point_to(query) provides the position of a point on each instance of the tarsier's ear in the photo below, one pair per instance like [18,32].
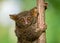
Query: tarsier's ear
[14,17]
[34,11]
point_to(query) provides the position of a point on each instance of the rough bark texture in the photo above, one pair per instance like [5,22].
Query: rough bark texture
[41,19]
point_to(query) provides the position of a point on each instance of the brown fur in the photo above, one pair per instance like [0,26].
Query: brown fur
[27,33]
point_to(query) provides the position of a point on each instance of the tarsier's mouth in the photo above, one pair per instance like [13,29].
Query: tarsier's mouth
[26,26]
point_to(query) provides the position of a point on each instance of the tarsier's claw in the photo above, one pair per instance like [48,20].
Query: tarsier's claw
[45,5]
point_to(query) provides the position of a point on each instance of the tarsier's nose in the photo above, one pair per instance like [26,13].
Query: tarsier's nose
[26,22]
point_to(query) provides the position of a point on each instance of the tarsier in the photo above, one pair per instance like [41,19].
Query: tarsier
[26,26]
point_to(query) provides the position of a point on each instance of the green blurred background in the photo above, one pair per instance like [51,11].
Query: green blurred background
[7,26]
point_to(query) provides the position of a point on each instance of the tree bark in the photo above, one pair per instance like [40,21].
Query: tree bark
[41,20]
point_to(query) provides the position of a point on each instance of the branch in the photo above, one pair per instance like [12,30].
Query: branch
[41,5]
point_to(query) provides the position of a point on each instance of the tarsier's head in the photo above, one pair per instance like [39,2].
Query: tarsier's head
[26,18]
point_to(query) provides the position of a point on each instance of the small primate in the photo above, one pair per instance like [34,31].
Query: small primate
[26,26]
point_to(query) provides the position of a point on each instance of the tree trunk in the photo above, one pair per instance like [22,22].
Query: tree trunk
[41,19]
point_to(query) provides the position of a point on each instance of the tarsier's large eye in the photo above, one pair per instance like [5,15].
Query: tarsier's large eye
[29,18]
[21,20]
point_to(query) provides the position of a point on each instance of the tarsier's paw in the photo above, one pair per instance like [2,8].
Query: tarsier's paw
[43,27]
[45,5]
